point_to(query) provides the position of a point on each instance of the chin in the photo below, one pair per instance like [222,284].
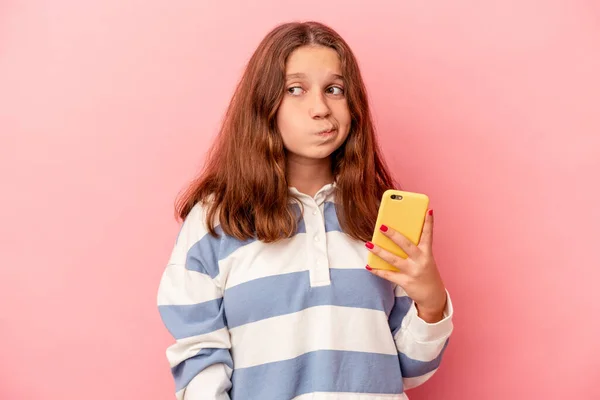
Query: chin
[322,154]
[310,156]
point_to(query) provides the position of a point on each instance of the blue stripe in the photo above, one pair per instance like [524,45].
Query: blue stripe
[401,307]
[187,370]
[413,368]
[230,244]
[195,319]
[301,227]
[319,371]
[204,255]
[288,293]
[330,215]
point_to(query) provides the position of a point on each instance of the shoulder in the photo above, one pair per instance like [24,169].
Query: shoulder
[192,233]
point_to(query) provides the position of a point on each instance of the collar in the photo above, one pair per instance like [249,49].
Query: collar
[326,193]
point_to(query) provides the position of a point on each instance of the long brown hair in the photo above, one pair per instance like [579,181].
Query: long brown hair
[244,179]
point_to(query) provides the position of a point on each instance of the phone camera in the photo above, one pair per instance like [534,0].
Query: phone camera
[396,197]
[393,197]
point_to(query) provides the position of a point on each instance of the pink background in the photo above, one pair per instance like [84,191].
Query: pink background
[107,107]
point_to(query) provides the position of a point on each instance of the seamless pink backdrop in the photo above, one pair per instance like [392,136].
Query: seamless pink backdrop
[107,108]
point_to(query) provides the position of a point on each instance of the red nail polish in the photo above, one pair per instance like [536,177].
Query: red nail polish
[431,212]
[369,245]
[383,228]
[369,268]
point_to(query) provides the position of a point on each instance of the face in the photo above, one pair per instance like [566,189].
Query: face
[313,118]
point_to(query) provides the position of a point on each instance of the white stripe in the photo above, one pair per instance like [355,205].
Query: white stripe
[399,291]
[349,396]
[349,253]
[180,286]
[190,346]
[192,230]
[255,260]
[410,345]
[212,383]
[422,331]
[317,328]
[410,383]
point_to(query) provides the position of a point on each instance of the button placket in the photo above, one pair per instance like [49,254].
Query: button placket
[319,271]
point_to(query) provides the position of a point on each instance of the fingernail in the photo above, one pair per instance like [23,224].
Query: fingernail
[383,228]
[369,268]
[431,212]
[369,245]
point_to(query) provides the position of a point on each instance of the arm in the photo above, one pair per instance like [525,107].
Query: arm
[420,344]
[190,303]
[420,296]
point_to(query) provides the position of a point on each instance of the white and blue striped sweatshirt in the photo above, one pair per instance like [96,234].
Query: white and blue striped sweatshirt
[297,319]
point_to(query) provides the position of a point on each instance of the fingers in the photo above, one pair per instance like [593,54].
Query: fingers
[394,277]
[392,259]
[411,250]
[427,235]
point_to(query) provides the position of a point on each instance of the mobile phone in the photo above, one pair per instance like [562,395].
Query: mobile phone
[404,212]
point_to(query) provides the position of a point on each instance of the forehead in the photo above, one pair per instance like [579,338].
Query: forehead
[313,60]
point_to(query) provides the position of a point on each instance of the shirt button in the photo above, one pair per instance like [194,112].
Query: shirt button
[315,212]
[316,238]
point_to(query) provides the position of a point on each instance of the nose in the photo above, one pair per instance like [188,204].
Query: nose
[318,107]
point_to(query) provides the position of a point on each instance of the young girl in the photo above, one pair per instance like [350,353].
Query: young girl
[267,292]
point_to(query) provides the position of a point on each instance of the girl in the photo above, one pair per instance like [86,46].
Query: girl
[266,292]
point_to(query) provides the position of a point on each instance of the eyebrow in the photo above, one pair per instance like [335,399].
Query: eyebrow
[300,75]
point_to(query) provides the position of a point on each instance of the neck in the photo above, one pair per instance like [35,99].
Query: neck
[308,176]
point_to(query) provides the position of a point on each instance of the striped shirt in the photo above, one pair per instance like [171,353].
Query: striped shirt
[297,319]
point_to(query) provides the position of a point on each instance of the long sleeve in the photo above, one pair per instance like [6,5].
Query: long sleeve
[190,303]
[420,344]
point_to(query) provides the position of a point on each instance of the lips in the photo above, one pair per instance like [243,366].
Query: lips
[327,131]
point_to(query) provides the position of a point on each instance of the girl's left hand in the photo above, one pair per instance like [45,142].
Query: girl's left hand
[418,275]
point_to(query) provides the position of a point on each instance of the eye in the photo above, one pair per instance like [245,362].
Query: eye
[295,90]
[335,90]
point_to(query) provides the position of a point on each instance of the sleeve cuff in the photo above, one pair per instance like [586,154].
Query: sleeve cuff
[429,332]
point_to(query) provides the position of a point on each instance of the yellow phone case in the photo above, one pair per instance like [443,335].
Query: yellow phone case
[404,212]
